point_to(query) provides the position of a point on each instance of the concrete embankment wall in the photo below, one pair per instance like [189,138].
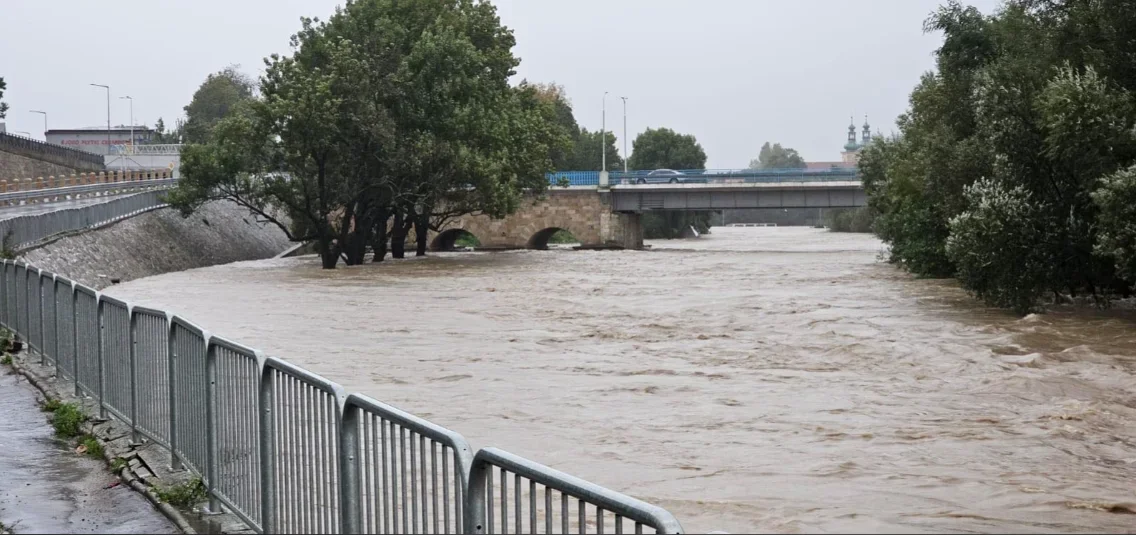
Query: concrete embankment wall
[161,241]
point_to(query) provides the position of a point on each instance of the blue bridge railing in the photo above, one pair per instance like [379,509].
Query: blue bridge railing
[592,178]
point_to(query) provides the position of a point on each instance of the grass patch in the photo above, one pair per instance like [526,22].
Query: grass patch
[51,405]
[118,464]
[94,448]
[185,495]
[67,420]
[7,359]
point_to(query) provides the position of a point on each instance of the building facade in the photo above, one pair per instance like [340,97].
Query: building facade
[99,140]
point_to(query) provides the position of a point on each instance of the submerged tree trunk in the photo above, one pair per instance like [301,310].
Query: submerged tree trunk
[329,253]
[398,236]
[379,235]
[421,227]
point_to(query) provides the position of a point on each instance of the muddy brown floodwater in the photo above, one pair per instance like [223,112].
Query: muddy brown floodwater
[757,379]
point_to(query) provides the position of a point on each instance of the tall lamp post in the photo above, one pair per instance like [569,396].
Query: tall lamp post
[603,136]
[625,155]
[107,87]
[127,97]
[44,113]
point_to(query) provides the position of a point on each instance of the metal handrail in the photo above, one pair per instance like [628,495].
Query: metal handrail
[66,191]
[621,505]
[318,451]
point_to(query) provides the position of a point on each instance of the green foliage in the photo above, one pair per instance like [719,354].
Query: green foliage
[161,136]
[93,446]
[52,405]
[185,495]
[777,157]
[1116,199]
[663,148]
[850,220]
[3,105]
[67,419]
[118,464]
[994,245]
[388,110]
[217,96]
[586,154]
[1029,103]
[6,359]
[467,240]
[563,236]
[564,182]
[6,250]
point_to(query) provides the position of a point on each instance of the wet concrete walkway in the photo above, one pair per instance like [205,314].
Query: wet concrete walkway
[47,488]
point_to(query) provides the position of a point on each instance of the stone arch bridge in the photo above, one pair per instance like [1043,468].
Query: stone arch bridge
[610,217]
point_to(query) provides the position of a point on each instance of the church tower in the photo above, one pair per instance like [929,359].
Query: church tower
[867,133]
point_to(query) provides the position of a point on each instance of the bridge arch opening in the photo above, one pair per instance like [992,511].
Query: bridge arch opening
[551,235]
[453,239]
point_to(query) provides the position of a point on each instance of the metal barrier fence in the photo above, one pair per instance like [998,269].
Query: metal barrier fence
[710,176]
[283,449]
[22,231]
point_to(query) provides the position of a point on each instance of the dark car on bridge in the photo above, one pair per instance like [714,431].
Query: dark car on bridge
[667,176]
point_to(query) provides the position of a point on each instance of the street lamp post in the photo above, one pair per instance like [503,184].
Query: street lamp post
[625,155]
[603,136]
[127,97]
[107,87]
[44,113]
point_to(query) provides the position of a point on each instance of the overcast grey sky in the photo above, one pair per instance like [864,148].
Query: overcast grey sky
[735,73]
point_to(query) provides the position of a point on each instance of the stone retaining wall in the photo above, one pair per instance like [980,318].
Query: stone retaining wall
[158,242]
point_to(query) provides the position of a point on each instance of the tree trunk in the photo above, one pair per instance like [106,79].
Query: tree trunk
[380,235]
[398,237]
[421,227]
[329,255]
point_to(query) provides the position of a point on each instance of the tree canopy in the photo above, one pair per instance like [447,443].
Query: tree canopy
[3,105]
[389,116]
[213,100]
[777,157]
[1014,153]
[663,148]
[586,154]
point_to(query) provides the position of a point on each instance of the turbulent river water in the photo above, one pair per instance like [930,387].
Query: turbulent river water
[756,379]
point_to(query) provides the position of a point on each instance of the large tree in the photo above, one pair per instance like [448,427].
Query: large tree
[586,155]
[1037,99]
[777,157]
[213,100]
[3,105]
[663,148]
[388,117]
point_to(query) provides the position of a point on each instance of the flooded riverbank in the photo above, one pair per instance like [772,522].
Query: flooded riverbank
[757,379]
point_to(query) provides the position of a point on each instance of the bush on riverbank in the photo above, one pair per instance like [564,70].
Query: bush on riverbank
[851,220]
[1012,167]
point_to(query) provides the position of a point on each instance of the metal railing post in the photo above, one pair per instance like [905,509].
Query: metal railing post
[211,425]
[99,357]
[171,355]
[474,507]
[132,328]
[351,514]
[266,399]
[75,339]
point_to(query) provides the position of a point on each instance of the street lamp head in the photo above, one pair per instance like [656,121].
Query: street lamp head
[127,97]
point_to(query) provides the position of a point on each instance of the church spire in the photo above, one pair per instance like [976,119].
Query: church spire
[867,132]
[851,145]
